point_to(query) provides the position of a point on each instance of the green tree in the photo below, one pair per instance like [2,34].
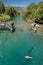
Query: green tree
[39,13]
[2,7]
[32,9]
[5,17]
[34,12]
[29,11]
[11,11]
[32,5]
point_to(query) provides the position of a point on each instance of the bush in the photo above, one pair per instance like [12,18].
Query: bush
[5,17]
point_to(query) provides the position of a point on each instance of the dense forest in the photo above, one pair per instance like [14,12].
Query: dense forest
[34,12]
[7,12]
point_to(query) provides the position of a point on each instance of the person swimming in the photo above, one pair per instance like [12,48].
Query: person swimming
[28,57]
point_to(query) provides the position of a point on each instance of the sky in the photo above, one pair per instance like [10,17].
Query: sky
[19,2]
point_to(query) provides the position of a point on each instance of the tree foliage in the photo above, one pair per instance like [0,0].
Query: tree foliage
[39,13]
[8,10]
[34,12]
[5,17]
[2,7]
[11,11]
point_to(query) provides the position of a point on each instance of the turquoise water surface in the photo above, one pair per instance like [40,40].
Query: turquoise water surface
[14,46]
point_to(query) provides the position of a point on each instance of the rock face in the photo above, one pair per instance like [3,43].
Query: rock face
[13,27]
[2,27]
[9,25]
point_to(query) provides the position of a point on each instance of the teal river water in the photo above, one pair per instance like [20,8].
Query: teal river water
[14,46]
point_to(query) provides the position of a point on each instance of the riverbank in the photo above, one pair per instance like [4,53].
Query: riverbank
[20,22]
[39,27]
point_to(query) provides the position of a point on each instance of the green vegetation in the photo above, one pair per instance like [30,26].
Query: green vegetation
[2,7]
[7,12]
[34,12]
[11,11]
[5,17]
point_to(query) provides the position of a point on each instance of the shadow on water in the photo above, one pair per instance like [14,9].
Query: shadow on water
[30,50]
[29,53]
[27,62]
